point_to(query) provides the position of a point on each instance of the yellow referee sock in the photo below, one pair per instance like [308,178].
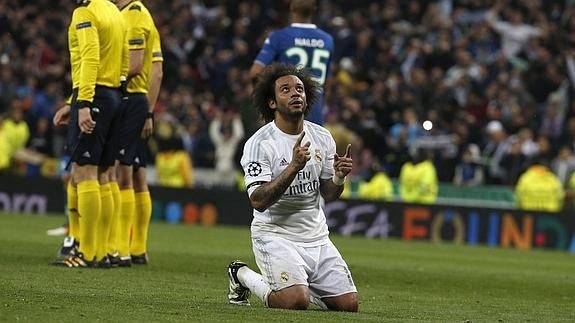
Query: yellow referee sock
[113,236]
[73,218]
[141,223]
[89,208]
[127,208]
[103,227]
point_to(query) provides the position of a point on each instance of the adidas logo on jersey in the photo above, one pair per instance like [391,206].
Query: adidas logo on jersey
[137,160]
[283,162]
[86,154]
[122,151]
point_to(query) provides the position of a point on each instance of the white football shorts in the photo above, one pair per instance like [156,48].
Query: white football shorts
[283,263]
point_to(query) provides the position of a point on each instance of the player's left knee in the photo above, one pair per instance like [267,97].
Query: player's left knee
[344,303]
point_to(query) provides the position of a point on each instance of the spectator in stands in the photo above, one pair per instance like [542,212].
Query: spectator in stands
[554,116]
[226,131]
[406,130]
[514,162]
[16,129]
[418,179]
[563,164]
[497,146]
[465,68]
[538,189]
[514,33]
[44,101]
[529,147]
[173,164]
[376,186]
[14,134]
[469,171]
[544,148]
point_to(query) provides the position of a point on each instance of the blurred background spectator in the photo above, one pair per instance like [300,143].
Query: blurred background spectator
[173,164]
[226,131]
[376,185]
[469,171]
[499,74]
[418,179]
[538,189]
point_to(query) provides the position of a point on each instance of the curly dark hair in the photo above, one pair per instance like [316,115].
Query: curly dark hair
[264,89]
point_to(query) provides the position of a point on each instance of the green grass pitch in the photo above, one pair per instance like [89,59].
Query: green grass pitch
[186,281]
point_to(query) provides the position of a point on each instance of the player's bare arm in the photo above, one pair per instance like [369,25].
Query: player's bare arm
[269,193]
[342,166]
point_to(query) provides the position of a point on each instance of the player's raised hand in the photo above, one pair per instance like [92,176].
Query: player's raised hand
[343,165]
[301,153]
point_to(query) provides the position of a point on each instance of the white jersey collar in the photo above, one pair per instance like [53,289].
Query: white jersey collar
[302,25]
[281,132]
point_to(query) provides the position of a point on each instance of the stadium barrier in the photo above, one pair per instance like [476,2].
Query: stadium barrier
[372,219]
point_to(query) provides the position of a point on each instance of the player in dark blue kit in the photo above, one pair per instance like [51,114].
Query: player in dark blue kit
[302,43]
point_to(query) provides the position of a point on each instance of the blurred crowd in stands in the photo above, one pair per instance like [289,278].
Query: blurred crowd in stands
[495,77]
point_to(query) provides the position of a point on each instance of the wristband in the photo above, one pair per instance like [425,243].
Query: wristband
[150,115]
[84,104]
[338,180]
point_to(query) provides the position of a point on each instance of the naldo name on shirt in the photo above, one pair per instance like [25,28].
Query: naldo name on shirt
[305,184]
[309,42]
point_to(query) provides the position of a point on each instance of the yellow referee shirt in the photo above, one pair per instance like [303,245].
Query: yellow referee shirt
[98,47]
[142,35]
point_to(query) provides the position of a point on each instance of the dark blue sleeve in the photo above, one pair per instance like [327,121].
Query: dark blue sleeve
[268,51]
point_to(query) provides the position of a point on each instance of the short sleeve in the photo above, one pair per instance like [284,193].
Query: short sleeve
[268,52]
[256,165]
[138,29]
[156,46]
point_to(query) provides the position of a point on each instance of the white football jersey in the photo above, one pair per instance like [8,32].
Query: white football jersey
[297,215]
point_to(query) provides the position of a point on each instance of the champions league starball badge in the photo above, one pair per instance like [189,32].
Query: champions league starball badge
[254,169]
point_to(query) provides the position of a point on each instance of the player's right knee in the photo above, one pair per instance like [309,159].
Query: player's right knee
[291,298]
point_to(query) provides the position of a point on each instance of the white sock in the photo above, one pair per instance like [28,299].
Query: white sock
[255,283]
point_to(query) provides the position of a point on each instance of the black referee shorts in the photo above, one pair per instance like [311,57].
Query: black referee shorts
[133,117]
[98,148]
[142,154]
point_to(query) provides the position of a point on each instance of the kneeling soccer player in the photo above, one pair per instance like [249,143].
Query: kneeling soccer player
[289,165]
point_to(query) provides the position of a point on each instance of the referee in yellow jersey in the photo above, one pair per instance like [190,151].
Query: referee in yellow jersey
[144,80]
[99,57]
